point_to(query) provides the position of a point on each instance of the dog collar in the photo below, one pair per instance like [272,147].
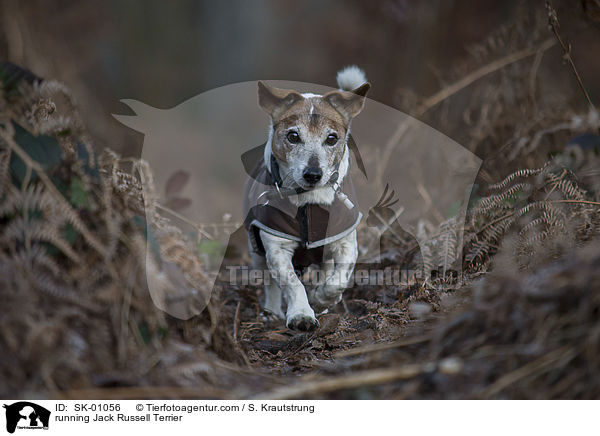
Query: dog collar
[267,207]
[281,192]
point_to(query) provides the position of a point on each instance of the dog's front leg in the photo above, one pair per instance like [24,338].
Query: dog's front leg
[279,253]
[272,292]
[340,258]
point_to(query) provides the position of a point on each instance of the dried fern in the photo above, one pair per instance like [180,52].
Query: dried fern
[516,175]
[73,223]
[539,204]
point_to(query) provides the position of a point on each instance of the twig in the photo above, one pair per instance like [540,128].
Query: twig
[555,185]
[388,225]
[184,219]
[429,202]
[236,321]
[234,339]
[248,371]
[238,348]
[536,367]
[132,393]
[372,348]
[554,25]
[576,201]
[307,340]
[358,379]
[479,73]
[491,223]
[125,312]
[452,89]
[196,226]
[80,226]
[533,74]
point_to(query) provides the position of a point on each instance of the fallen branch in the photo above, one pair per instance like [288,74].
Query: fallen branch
[358,379]
[373,348]
[596,203]
[536,367]
[554,25]
[133,393]
[449,91]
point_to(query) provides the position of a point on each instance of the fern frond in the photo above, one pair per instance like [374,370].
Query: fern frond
[494,232]
[533,240]
[478,252]
[39,256]
[531,225]
[541,205]
[449,240]
[570,190]
[487,203]
[526,172]
[27,230]
[44,282]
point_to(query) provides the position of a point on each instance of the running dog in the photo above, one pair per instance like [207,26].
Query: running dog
[299,201]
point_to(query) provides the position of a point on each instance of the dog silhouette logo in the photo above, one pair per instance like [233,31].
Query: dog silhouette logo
[26,415]
[194,150]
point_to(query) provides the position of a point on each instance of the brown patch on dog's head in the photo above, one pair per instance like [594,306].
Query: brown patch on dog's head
[339,106]
[315,120]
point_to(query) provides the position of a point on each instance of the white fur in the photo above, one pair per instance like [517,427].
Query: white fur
[339,259]
[273,294]
[323,195]
[326,194]
[279,253]
[339,256]
[268,148]
[351,78]
[291,173]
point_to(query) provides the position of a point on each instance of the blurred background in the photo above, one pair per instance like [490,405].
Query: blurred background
[163,54]
[77,318]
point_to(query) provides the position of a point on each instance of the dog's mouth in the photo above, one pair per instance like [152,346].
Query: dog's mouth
[306,185]
[310,186]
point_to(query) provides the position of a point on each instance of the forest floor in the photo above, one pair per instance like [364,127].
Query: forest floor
[520,321]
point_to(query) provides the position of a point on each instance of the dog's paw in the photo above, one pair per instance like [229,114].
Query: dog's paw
[271,316]
[302,322]
[324,297]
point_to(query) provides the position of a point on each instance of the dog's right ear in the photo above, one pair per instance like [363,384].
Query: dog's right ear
[275,101]
[348,103]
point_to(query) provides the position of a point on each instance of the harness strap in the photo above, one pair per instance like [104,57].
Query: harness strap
[275,171]
[286,192]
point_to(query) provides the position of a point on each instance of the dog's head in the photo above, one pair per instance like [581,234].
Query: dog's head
[309,132]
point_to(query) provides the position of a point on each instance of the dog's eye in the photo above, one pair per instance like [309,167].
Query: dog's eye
[293,137]
[331,139]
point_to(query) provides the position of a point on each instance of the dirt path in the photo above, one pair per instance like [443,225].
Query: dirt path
[368,319]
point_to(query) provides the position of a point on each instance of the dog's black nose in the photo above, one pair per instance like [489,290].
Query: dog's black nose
[312,174]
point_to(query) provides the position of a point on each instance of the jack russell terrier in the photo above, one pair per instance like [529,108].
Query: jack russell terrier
[299,202]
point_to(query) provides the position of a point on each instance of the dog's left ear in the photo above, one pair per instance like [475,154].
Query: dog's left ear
[275,101]
[348,103]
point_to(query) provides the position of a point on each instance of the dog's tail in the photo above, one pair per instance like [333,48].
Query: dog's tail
[350,78]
